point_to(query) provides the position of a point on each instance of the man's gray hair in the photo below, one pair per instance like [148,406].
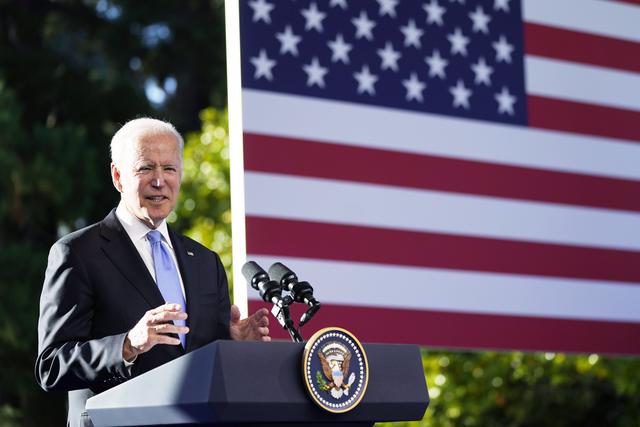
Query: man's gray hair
[135,128]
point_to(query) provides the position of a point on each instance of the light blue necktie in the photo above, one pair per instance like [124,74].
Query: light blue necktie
[167,276]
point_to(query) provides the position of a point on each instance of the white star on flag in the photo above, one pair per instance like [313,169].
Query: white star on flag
[505,101]
[364,26]
[501,5]
[389,57]
[263,65]
[436,64]
[288,41]
[341,3]
[315,73]
[261,10]
[482,72]
[339,49]
[366,80]
[412,34]
[414,87]
[503,49]
[458,42]
[388,7]
[460,95]
[313,18]
[480,20]
[434,12]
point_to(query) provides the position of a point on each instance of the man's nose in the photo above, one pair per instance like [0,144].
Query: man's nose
[158,179]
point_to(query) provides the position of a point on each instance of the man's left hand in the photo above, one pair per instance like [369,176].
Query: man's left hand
[253,328]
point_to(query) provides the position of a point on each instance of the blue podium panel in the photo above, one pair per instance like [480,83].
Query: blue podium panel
[232,382]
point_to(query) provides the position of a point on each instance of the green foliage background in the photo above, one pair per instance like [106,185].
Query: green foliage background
[72,71]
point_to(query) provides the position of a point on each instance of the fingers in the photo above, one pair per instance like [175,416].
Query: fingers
[261,317]
[167,340]
[235,314]
[143,338]
[166,307]
[166,316]
[154,328]
[263,312]
[168,328]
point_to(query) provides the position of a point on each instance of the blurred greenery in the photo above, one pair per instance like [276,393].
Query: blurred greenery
[71,71]
[204,209]
[530,389]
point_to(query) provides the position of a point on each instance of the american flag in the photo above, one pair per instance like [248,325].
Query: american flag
[449,173]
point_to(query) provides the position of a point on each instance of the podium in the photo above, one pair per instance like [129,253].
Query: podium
[254,383]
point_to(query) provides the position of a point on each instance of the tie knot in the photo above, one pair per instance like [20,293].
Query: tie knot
[154,236]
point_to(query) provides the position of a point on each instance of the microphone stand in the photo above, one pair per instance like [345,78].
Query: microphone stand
[281,312]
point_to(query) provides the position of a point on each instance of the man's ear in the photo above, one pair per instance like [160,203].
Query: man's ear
[115,177]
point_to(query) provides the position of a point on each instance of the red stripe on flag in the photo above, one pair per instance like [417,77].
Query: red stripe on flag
[467,330]
[576,117]
[333,161]
[267,236]
[627,1]
[576,46]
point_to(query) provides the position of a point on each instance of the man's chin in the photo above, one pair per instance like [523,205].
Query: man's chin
[153,217]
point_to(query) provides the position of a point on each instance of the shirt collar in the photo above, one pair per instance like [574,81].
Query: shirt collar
[137,229]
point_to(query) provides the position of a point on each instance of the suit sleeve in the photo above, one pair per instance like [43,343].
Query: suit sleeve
[68,358]
[224,303]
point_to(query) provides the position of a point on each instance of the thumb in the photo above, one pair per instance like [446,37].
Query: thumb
[235,314]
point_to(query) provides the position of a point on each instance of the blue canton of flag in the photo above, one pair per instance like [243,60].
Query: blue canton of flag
[458,58]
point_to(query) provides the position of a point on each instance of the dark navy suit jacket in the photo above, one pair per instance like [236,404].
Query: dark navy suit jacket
[96,288]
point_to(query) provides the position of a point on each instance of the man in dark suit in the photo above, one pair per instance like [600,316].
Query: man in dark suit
[127,294]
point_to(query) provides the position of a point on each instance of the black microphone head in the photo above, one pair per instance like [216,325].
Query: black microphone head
[302,292]
[250,269]
[259,280]
[254,273]
[279,272]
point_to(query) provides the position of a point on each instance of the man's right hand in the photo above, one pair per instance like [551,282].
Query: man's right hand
[152,329]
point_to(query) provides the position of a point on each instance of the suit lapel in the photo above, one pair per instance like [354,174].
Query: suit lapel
[191,280]
[121,251]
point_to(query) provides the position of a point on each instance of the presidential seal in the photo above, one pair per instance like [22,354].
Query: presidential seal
[335,369]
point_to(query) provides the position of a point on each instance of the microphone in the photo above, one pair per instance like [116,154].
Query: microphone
[301,291]
[270,290]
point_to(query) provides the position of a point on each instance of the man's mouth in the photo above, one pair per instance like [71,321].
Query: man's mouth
[156,198]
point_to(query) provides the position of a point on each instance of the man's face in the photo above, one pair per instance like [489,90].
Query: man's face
[149,177]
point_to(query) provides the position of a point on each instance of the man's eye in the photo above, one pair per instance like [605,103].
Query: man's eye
[144,168]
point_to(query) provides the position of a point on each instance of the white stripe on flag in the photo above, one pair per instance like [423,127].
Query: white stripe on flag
[270,195]
[331,121]
[606,18]
[582,83]
[450,290]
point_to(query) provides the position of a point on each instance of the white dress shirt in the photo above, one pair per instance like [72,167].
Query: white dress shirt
[137,232]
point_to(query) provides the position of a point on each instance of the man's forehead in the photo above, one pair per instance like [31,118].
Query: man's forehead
[152,137]
[151,142]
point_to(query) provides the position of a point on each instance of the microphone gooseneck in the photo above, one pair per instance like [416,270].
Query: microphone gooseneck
[271,291]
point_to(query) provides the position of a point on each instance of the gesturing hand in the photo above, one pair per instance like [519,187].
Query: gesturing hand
[152,329]
[253,328]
